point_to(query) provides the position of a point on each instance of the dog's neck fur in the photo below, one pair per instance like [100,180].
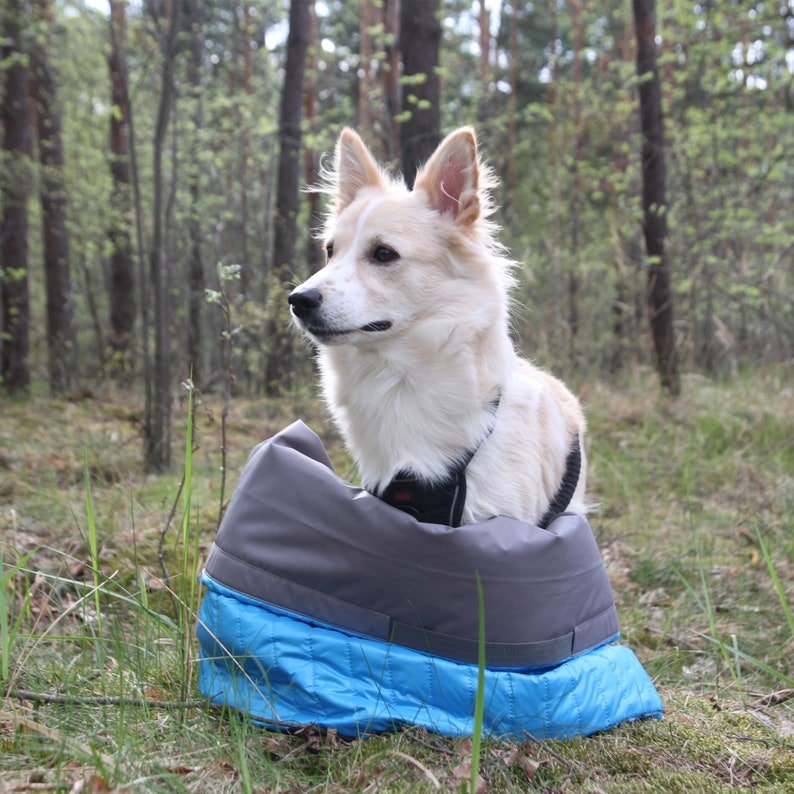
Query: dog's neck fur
[416,406]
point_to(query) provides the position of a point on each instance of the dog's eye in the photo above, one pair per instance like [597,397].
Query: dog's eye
[329,250]
[383,254]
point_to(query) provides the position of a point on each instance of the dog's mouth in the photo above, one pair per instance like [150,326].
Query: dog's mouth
[328,333]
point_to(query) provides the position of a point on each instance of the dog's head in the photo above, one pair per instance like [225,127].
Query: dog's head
[398,259]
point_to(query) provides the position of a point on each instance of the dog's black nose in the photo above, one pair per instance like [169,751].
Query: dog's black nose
[305,302]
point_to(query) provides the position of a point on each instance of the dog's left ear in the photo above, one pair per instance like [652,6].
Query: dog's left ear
[451,177]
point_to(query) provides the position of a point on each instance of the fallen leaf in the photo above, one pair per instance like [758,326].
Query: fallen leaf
[517,757]
[461,774]
[95,784]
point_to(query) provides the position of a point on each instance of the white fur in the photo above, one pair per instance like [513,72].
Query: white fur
[418,395]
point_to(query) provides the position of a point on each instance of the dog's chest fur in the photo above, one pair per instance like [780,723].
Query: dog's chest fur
[397,413]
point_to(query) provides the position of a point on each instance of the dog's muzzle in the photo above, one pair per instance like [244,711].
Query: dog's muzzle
[305,303]
[306,307]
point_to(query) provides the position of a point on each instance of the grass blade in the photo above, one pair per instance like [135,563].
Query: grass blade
[479,703]
[779,589]
[92,542]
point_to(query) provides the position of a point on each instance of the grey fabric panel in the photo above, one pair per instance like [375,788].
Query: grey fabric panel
[292,517]
[266,586]
[497,654]
[592,632]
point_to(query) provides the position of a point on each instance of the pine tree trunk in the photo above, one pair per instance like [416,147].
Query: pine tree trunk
[659,296]
[14,333]
[280,341]
[311,166]
[391,77]
[420,39]
[52,192]
[512,109]
[244,255]
[158,442]
[195,267]
[122,266]
[576,183]
[484,22]
[367,81]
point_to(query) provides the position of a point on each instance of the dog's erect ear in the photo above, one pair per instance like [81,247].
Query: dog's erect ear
[451,177]
[355,169]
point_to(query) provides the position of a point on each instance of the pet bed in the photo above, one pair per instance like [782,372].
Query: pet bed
[325,605]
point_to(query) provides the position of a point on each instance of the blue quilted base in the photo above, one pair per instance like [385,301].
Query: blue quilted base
[277,665]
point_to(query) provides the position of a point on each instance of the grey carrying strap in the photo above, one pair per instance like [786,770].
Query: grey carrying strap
[298,537]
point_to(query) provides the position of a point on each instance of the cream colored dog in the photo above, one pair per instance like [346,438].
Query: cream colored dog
[410,316]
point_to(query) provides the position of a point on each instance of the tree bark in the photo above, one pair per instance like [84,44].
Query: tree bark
[287,199]
[311,166]
[14,342]
[512,108]
[659,297]
[158,442]
[391,77]
[576,183]
[484,23]
[118,47]
[195,267]
[122,266]
[244,120]
[420,39]
[367,80]
[52,192]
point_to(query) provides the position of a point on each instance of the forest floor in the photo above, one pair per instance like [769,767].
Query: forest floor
[696,526]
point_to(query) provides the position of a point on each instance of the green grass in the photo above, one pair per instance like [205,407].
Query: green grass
[696,525]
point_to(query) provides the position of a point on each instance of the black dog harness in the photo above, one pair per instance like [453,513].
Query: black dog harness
[443,502]
[570,479]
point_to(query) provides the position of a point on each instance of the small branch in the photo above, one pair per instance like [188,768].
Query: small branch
[77,700]
[227,384]
[170,705]
[164,532]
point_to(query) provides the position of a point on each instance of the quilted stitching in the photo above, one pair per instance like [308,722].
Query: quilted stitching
[359,685]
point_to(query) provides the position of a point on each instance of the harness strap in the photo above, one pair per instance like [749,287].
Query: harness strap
[438,502]
[443,502]
[561,500]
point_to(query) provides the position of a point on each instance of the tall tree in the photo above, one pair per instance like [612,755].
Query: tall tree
[367,77]
[158,437]
[391,76]
[311,164]
[195,265]
[576,181]
[420,39]
[52,191]
[654,201]
[287,197]
[513,61]
[122,266]
[243,110]
[14,339]
[484,23]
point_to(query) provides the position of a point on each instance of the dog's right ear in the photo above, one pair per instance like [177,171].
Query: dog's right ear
[452,177]
[355,169]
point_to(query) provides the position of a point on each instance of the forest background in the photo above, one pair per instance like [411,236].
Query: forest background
[146,151]
[154,217]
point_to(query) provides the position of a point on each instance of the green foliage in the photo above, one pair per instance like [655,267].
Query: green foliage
[571,212]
